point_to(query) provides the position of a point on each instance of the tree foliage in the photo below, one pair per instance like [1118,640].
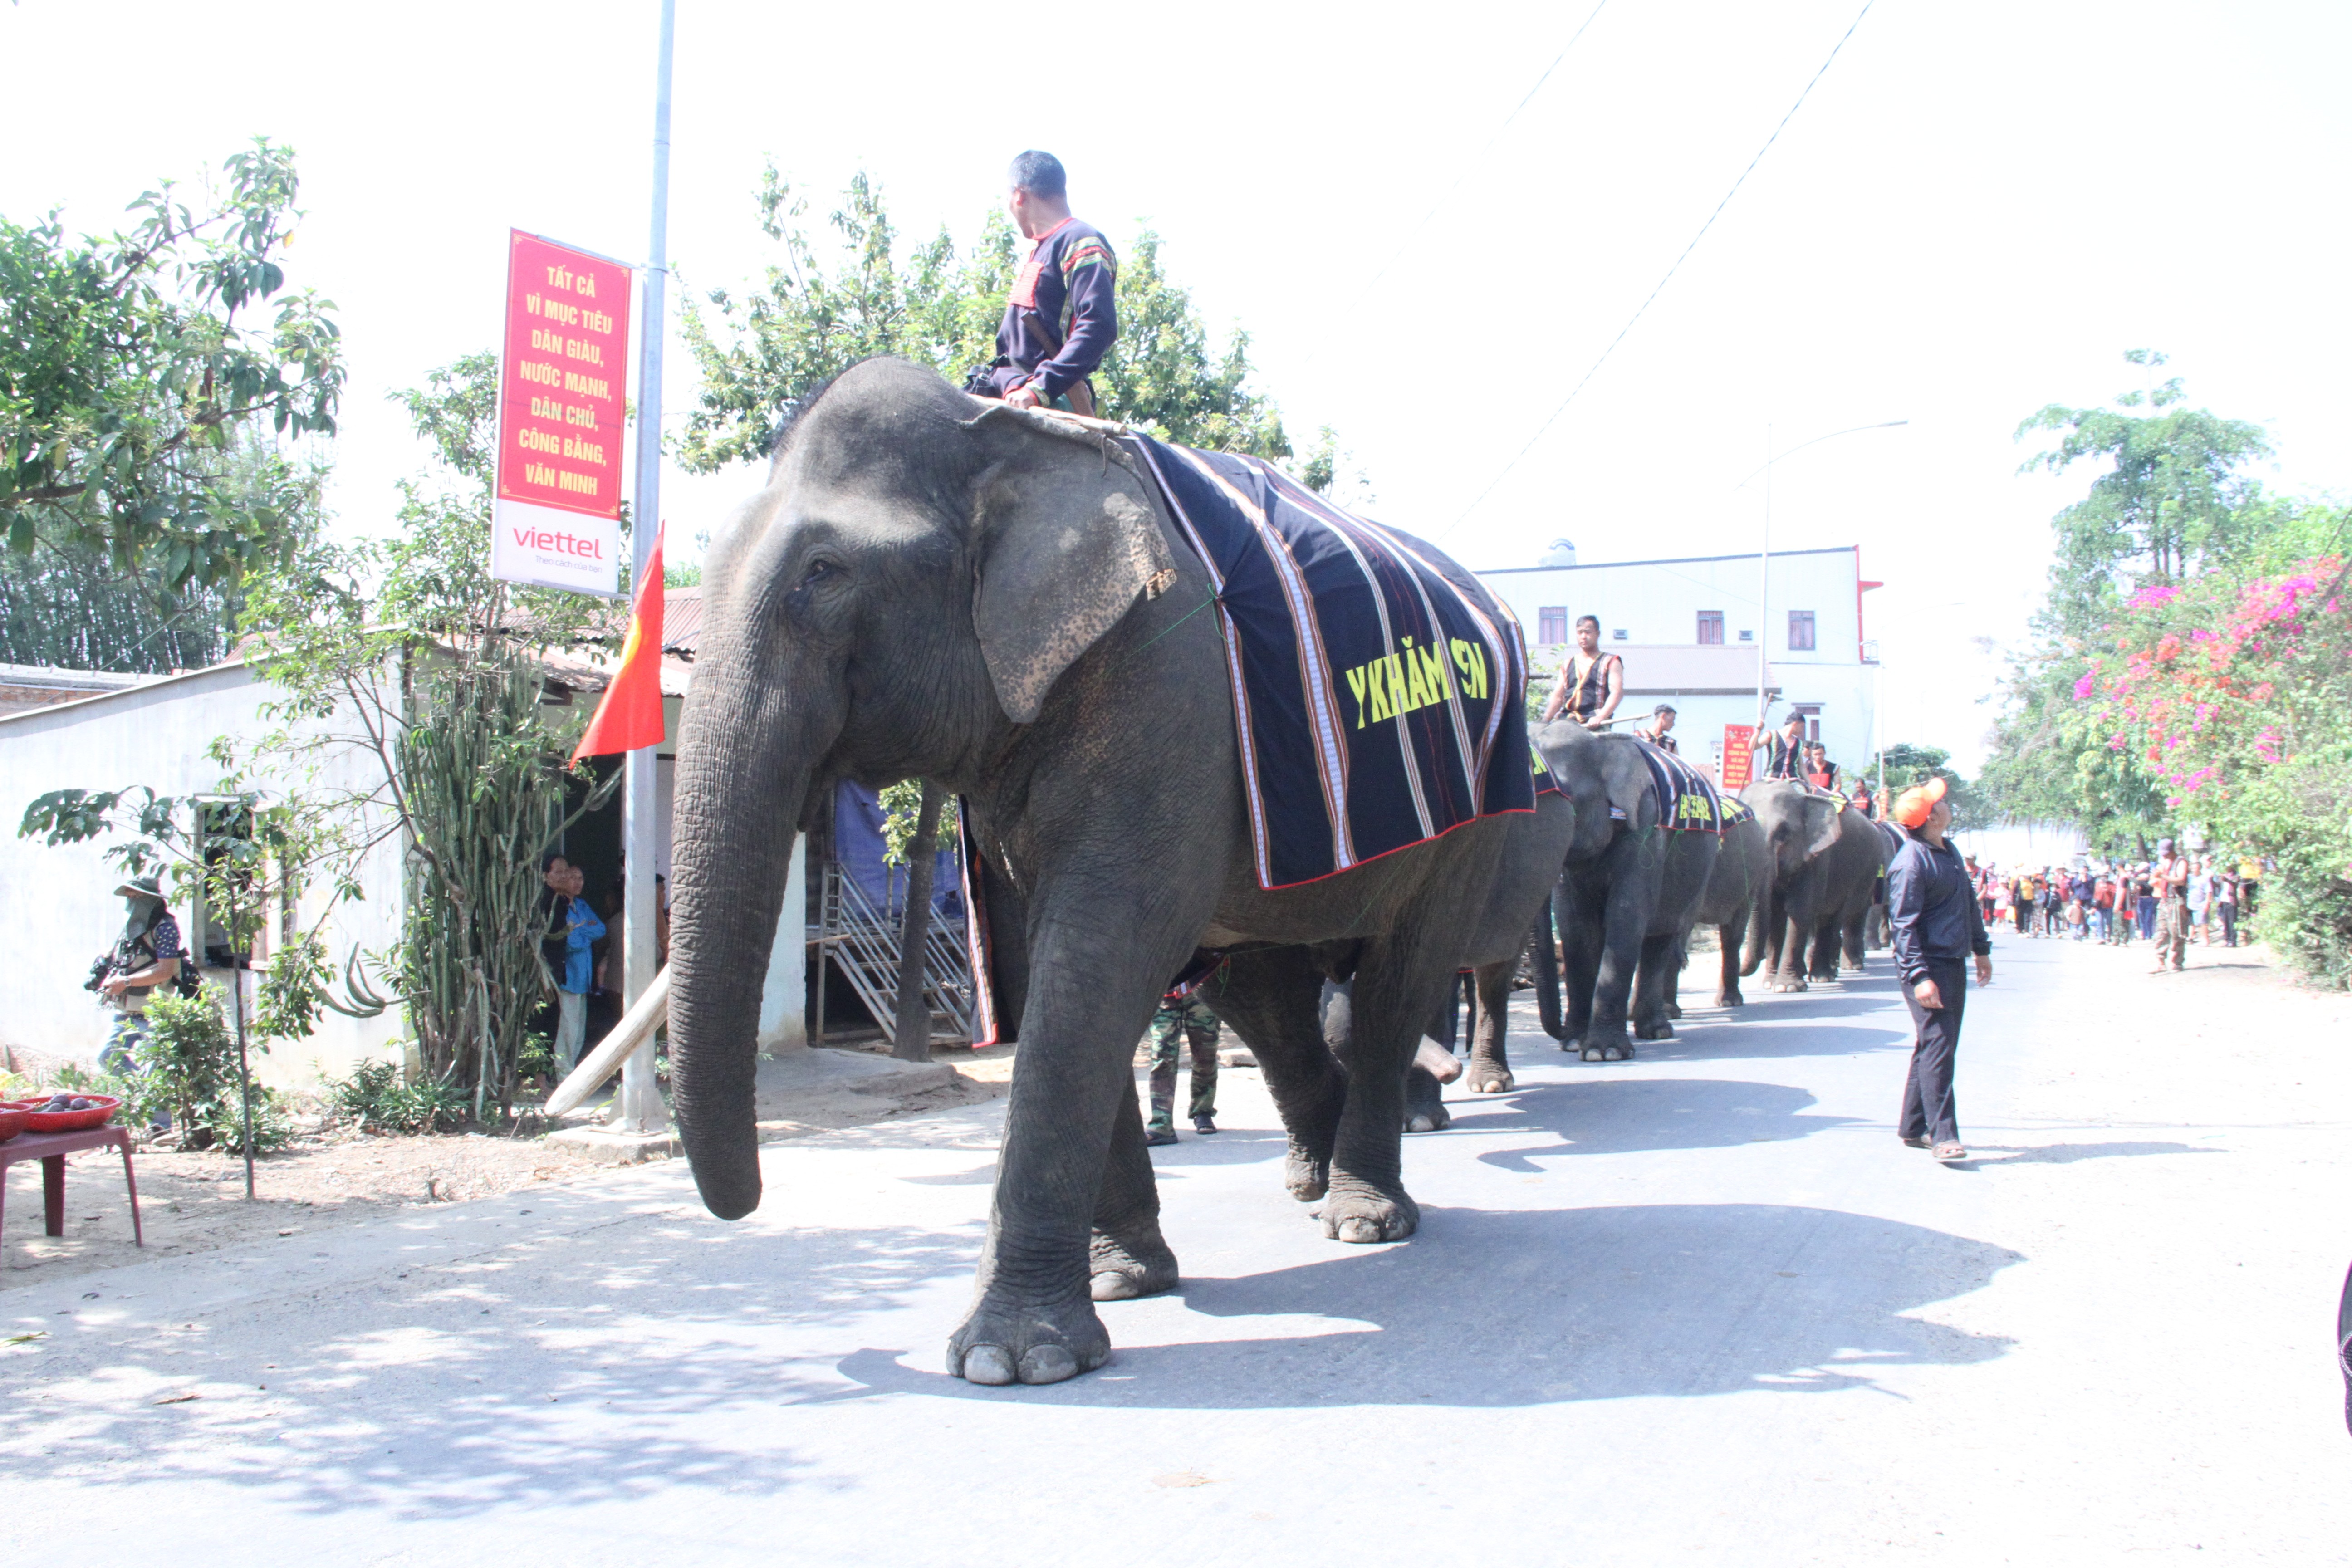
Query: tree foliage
[132,366]
[1905,765]
[2194,664]
[405,650]
[762,352]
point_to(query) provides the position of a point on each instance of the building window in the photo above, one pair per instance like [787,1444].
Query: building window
[1801,631]
[1618,634]
[1551,625]
[1710,628]
[1811,712]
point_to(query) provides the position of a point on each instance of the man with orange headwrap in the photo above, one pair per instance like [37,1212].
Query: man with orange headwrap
[1935,925]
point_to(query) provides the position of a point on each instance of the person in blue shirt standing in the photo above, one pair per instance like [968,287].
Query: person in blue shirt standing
[581,934]
[1933,924]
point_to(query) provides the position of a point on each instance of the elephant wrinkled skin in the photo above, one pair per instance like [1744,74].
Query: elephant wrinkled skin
[930,586]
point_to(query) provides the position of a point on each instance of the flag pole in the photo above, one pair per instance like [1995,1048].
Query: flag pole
[638,1108]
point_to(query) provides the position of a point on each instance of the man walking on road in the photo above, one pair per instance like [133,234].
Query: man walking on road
[1931,911]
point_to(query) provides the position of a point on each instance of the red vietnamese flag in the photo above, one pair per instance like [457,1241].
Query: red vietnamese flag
[629,718]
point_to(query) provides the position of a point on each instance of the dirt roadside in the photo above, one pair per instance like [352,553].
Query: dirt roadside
[336,1175]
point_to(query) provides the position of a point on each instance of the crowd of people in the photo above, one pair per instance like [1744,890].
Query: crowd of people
[2173,900]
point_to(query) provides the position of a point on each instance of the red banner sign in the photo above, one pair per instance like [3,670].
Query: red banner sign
[1738,756]
[563,390]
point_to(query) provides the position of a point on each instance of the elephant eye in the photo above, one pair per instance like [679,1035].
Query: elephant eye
[817,571]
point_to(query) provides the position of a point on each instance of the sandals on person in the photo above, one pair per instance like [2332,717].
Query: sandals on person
[1951,1153]
[1911,1143]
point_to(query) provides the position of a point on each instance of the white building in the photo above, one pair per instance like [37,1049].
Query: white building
[1693,629]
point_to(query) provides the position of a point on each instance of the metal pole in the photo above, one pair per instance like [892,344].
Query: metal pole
[639,1107]
[1763,591]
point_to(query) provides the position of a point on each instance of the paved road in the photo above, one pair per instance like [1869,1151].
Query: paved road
[1700,1307]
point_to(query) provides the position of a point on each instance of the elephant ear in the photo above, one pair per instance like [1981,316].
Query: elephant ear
[1823,819]
[1067,540]
[1629,787]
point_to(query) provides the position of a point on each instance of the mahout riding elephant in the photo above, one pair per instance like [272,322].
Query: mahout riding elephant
[1626,893]
[995,601]
[1826,859]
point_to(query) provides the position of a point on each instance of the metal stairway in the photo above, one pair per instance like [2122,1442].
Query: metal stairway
[863,940]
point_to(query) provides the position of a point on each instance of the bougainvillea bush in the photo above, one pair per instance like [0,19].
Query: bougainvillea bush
[2234,695]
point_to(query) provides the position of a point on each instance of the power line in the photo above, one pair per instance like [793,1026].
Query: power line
[1413,234]
[1595,368]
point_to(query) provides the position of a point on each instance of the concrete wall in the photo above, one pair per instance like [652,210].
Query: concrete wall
[61,909]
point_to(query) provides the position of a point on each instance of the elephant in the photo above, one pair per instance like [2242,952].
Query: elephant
[996,601]
[1826,859]
[1626,893]
[1743,871]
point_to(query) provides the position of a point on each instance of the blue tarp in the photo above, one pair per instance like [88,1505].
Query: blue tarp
[857,844]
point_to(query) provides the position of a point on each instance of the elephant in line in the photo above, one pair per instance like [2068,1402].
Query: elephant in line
[995,601]
[1742,874]
[1826,861]
[1627,893]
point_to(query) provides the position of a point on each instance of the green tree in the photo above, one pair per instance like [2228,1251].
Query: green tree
[2171,497]
[130,368]
[1905,765]
[404,649]
[763,352]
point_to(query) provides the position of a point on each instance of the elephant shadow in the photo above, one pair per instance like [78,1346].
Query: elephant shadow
[1516,1308]
[1724,1039]
[1638,1115]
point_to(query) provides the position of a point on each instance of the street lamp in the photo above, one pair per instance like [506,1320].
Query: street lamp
[1764,557]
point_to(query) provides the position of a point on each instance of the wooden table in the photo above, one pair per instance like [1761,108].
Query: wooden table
[51,1149]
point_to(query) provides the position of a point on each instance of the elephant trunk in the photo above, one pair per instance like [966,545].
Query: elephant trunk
[1759,915]
[738,794]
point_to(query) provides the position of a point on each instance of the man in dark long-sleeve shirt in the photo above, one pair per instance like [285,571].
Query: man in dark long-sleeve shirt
[1062,315]
[1934,925]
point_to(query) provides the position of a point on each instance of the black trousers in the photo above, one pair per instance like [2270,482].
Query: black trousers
[1927,1108]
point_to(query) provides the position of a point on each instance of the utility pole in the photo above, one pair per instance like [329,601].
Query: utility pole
[639,1109]
[1764,590]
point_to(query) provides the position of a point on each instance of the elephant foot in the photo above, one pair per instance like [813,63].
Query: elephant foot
[1658,1029]
[1121,1268]
[1424,1106]
[1674,1010]
[1604,1048]
[1007,1341]
[1788,985]
[1730,998]
[1307,1174]
[1359,1212]
[1428,1118]
[1490,1078]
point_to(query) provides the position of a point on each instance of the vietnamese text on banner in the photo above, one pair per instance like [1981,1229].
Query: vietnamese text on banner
[562,410]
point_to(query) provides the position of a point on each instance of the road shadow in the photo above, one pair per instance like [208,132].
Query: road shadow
[2068,1153]
[1721,1038]
[1498,1309]
[1638,1115]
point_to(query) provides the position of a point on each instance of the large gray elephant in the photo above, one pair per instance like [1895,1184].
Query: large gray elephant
[1627,892]
[1826,859]
[994,601]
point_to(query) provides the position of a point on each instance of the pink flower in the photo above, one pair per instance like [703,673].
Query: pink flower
[2083,687]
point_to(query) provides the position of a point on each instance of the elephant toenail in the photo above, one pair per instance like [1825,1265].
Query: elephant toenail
[989,1365]
[1048,1364]
[1359,1231]
[1112,1285]
[1421,1124]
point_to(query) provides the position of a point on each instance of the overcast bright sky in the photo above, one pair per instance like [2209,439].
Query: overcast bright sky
[1976,212]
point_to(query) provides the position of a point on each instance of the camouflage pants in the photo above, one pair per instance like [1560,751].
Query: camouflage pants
[2171,932]
[1191,1020]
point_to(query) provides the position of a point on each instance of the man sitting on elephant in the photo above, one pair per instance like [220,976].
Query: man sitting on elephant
[1061,316]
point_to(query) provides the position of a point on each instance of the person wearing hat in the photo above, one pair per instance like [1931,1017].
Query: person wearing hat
[1935,926]
[146,955]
